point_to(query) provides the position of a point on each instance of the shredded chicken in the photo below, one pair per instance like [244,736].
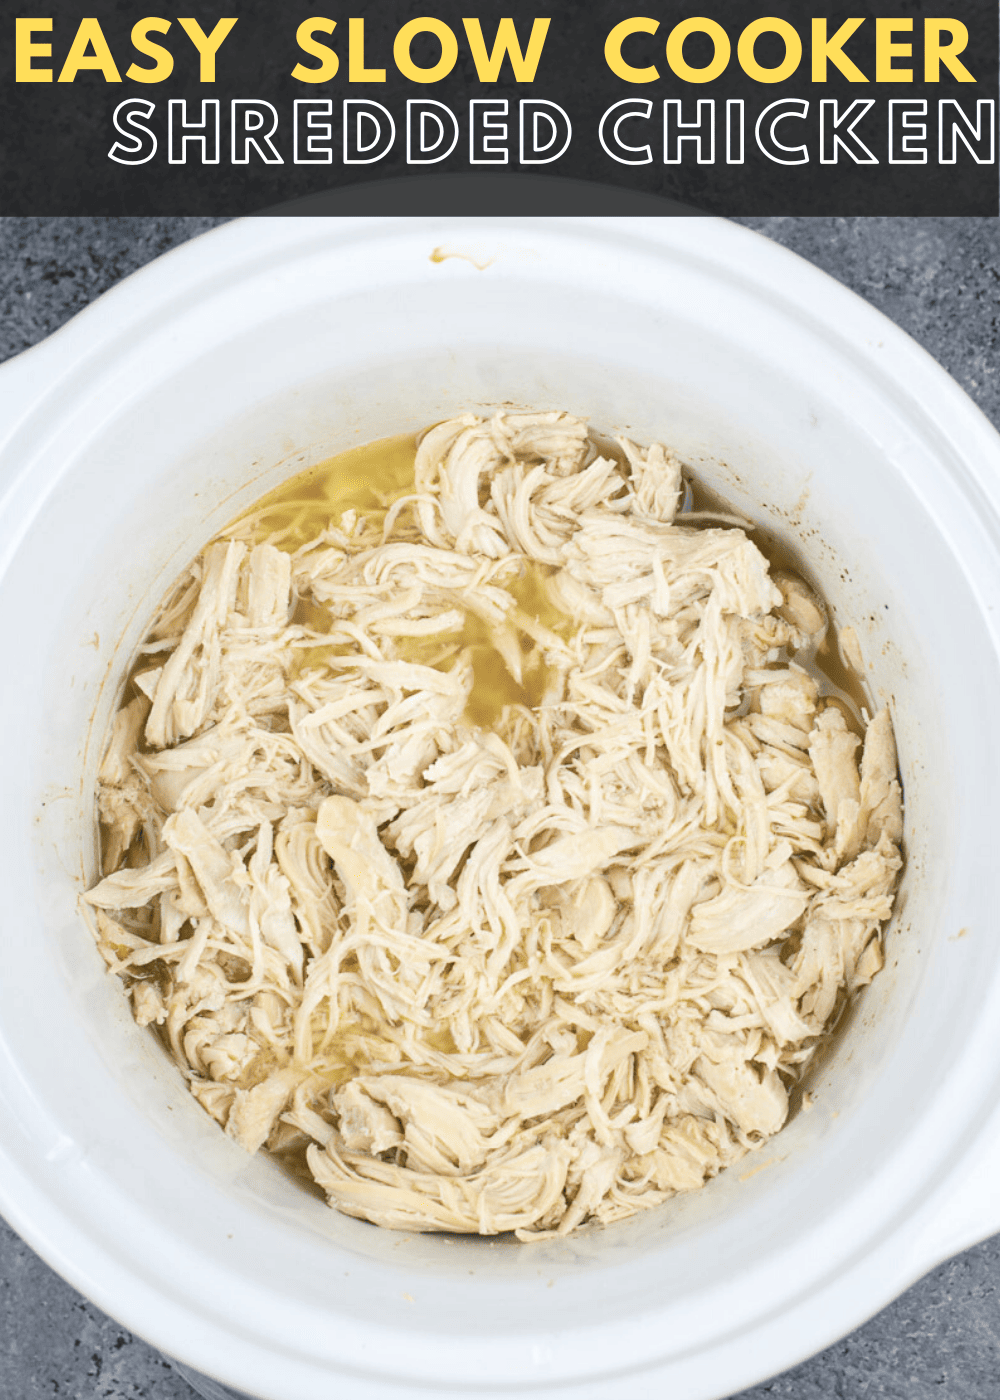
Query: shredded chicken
[489,857]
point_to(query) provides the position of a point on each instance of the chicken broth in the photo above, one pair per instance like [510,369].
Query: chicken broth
[367,479]
[475,839]
[370,479]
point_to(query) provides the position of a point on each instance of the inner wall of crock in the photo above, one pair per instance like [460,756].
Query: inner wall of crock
[180,459]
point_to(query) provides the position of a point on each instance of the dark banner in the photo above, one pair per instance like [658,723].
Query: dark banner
[730,107]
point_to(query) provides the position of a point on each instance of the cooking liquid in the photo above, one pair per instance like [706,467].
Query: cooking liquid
[371,478]
[367,479]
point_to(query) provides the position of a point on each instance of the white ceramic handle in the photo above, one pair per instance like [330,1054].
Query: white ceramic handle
[967,1210]
[25,380]
[21,385]
[19,382]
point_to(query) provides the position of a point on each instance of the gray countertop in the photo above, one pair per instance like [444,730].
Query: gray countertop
[937,278]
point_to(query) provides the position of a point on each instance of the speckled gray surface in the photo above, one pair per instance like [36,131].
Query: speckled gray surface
[937,278]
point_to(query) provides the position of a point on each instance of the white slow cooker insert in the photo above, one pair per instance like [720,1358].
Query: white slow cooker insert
[134,433]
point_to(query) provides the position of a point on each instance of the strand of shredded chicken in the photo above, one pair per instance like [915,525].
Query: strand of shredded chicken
[513,976]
